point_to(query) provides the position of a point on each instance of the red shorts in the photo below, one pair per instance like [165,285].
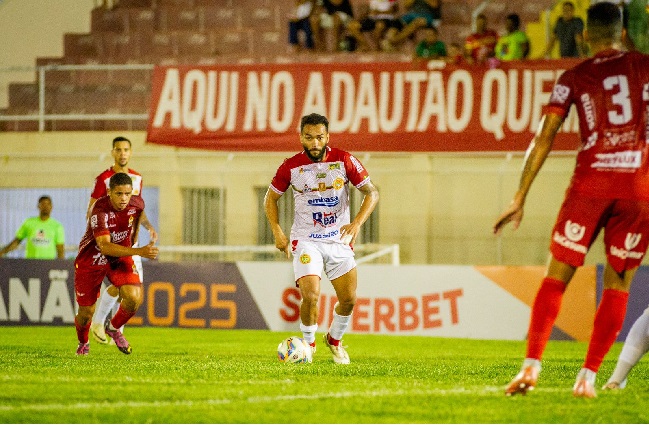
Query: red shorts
[625,224]
[88,279]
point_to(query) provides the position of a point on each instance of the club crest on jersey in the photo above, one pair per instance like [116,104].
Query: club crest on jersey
[111,215]
[324,219]
[131,211]
[338,183]
[305,258]
[130,221]
[322,186]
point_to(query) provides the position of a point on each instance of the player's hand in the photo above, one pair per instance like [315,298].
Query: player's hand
[281,243]
[513,213]
[348,233]
[149,251]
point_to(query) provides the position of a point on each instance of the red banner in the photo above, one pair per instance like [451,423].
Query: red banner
[377,106]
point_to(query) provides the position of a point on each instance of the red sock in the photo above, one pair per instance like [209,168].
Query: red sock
[544,312]
[82,331]
[608,323]
[121,317]
[332,341]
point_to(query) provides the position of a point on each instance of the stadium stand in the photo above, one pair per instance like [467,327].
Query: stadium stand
[199,32]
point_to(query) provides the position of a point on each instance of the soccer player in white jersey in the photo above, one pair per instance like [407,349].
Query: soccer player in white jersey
[322,233]
[108,301]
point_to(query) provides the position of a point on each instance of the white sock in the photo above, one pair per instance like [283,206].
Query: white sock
[105,305]
[339,325]
[635,346]
[531,362]
[308,332]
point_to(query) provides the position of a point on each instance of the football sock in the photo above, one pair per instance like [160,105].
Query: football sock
[308,332]
[113,312]
[121,317]
[608,322]
[544,312]
[106,303]
[635,346]
[338,327]
[82,331]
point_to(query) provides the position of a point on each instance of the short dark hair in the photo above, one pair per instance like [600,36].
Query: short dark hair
[314,119]
[44,198]
[119,179]
[120,139]
[516,20]
[604,22]
[569,3]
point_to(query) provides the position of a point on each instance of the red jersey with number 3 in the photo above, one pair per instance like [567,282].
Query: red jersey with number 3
[320,191]
[611,94]
[106,220]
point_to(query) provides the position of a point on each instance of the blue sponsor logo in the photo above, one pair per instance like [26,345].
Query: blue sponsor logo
[324,235]
[325,219]
[324,202]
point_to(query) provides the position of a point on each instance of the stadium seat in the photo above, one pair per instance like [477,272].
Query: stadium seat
[232,42]
[220,18]
[177,19]
[193,43]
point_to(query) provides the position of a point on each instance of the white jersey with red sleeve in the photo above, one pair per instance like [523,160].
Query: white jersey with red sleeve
[321,192]
[611,94]
[102,183]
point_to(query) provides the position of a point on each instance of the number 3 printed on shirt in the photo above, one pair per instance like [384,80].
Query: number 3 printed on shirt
[621,98]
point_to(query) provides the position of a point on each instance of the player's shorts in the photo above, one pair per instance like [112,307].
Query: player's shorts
[309,258]
[625,224]
[88,279]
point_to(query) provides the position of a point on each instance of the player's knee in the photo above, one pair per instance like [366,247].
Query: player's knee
[310,298]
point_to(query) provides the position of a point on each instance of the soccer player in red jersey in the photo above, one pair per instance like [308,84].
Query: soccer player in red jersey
[121,153]
[480,45]
[322,233]
[105,251]
[609,190]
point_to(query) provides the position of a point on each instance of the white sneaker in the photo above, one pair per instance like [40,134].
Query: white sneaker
[98,333]
[585,384]
[612,385]
[338,351]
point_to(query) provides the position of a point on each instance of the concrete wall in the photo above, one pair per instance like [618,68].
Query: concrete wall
[439,208]
[35,28]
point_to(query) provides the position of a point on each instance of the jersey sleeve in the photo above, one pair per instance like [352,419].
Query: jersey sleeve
[282,179]
[23,231]
[99,189]
[356,173]
[562,95]
[99,221]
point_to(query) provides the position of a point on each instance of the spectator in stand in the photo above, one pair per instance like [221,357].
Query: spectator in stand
[514,45]
[381,17]
[569,30]
[420,14]
[299,21]
[430,47]
[333,15]
[480,45]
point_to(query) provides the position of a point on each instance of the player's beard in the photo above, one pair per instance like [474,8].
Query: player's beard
[318,157]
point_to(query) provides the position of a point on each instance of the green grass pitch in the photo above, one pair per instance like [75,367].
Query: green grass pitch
[217,376]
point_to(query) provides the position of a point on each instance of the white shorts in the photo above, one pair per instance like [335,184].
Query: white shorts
[309,258]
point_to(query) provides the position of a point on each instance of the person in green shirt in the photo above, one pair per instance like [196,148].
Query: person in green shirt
[430,47]
[45,236]
[514,45]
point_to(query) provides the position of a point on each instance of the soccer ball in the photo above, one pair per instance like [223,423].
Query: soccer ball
[294,350]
